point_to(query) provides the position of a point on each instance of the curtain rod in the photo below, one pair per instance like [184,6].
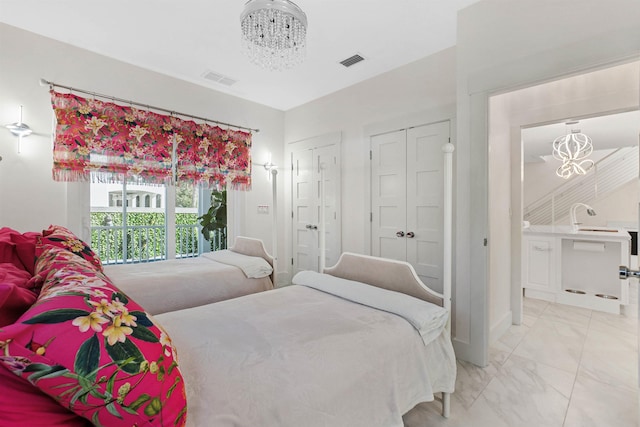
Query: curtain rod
[44,82]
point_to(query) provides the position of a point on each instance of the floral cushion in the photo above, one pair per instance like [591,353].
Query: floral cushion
[94,350]
[59,236]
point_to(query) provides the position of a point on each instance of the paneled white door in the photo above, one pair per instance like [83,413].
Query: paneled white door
[306,164]
[407,188]
[389,195]
[425,197]
[304,215]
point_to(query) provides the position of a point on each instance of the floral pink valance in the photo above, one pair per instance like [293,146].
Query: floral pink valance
[111,143]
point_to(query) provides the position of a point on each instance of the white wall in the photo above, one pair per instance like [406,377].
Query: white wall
[499,177]
[620,207]
[30,200]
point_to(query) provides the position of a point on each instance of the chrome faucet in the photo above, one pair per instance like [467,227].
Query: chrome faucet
[572,214]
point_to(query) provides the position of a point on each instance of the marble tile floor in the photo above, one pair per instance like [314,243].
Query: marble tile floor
[563,367]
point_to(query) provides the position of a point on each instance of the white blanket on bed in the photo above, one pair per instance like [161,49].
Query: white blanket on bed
[252,266]
[428,319]
[298,357]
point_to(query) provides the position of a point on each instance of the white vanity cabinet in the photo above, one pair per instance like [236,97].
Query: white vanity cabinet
[539,266]
[576,268]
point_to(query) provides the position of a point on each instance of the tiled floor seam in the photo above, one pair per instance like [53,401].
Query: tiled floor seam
[575,378]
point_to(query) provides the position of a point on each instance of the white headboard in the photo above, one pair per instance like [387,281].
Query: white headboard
[253,247]
[384,273]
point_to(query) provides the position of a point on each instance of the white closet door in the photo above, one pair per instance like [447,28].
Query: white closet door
[305,214]
[305,191]
[388,195]
[425,197]
[327,156]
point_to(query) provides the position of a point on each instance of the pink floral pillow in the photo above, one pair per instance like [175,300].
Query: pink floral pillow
[87,345]
[57,235]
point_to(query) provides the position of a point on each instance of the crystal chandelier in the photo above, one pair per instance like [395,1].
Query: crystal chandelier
[573,149]
[274,33]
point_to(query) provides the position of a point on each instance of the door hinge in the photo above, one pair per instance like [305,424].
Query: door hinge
[485,241]
[291,261]
[292,214]
[370,155]
[370,216]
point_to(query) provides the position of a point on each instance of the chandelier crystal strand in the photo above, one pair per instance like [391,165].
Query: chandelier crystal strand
[274,33]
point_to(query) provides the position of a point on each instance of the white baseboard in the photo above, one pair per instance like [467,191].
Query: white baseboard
[500,327]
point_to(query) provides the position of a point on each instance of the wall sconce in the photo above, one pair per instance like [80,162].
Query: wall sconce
[268,165]
[271,169]
[19,129]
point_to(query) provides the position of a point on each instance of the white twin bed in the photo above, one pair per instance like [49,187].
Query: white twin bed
[358,346]
[189,282]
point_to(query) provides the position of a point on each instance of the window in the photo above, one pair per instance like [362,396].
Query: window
[130,232]
[186,210]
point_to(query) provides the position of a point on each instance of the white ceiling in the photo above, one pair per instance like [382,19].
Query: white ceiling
[186,39]
[606,132]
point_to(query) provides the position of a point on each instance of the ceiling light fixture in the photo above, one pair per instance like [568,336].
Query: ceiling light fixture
[274,33]
[572,149]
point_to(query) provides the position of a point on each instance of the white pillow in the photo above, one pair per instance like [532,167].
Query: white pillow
[253,267]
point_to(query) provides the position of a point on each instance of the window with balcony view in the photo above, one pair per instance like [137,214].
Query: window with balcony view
[130,223]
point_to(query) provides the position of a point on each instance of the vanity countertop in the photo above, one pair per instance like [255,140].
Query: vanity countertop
[585,232]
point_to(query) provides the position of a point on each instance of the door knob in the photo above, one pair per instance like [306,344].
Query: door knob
[625,273]
[411,235]
[400,234]
[311,227]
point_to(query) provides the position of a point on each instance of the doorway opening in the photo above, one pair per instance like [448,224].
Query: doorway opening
[597,93]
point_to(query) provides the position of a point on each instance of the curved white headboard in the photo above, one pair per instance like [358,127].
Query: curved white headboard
[253,247]
[384,273]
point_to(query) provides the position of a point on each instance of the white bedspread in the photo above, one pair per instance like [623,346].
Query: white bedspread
[182,283]
[253,267]
[298,357]
[428,319]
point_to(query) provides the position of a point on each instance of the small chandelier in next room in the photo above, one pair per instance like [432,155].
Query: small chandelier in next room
[573,149]
[274,33]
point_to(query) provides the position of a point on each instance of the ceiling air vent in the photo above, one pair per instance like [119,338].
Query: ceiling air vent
[219,78]
[352,60]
